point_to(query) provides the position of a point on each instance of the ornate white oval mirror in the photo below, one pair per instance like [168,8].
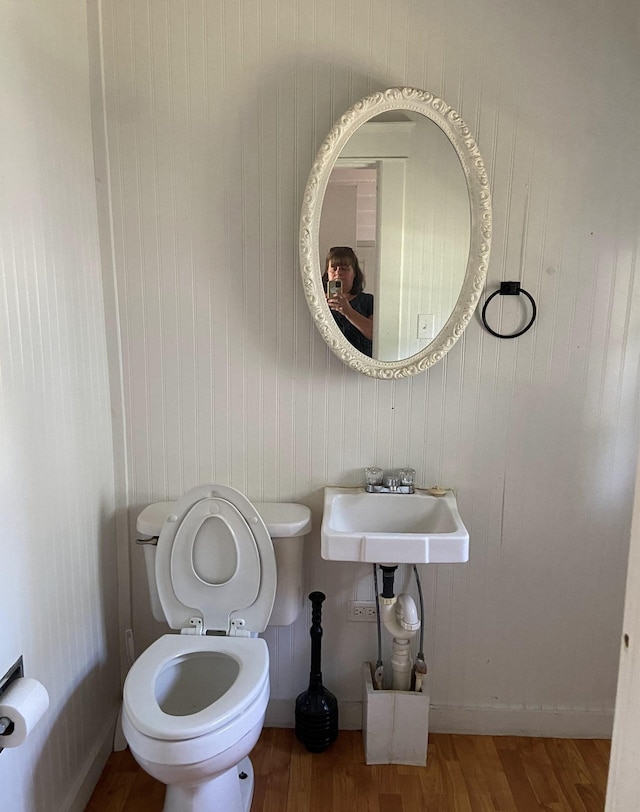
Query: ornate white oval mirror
[400,182]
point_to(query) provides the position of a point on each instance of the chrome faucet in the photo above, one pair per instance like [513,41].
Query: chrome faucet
[396,480]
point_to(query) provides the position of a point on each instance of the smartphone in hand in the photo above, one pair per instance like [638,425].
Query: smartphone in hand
[334,286]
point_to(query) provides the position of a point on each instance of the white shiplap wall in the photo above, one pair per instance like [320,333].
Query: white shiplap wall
[58,599]
[214,112]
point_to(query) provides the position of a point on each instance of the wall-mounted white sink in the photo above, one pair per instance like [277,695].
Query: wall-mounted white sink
[390,528]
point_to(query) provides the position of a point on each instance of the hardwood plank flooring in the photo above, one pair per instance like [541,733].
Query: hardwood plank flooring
[463,774]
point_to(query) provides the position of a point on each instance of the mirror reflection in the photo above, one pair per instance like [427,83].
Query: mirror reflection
[395,234]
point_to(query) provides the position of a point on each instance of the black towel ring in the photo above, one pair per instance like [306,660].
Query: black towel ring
[510,289]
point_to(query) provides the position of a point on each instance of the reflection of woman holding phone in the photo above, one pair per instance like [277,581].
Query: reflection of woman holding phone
[351,307]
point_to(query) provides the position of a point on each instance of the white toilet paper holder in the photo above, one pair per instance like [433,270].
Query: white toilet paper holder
[15,672]
[23,703]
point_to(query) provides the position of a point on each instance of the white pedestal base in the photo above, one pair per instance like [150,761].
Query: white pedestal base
[395,724]
[230,792]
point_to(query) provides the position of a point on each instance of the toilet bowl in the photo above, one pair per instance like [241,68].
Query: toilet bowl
[193,709]
[194,703]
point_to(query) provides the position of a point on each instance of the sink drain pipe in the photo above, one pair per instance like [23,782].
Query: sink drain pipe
[400,618]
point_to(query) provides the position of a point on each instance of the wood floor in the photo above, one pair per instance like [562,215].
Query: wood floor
[483,773]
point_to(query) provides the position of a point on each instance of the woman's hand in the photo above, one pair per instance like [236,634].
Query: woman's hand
[340,303]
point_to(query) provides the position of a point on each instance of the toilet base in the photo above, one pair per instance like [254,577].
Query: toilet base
[228,792]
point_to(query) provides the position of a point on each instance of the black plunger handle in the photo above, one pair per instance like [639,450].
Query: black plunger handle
[316,599]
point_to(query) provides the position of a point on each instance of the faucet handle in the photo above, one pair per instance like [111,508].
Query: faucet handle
[407,476]
[373,475]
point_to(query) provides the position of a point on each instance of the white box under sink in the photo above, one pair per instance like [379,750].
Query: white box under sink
[395,724]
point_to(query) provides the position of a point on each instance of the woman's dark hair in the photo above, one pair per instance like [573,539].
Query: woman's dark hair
[344,256]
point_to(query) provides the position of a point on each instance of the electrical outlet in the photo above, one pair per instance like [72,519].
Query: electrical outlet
[426,326]
[361,610]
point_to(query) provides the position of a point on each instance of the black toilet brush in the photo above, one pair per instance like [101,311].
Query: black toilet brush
[316,708]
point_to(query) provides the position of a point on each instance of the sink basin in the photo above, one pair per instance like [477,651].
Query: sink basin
[390,528]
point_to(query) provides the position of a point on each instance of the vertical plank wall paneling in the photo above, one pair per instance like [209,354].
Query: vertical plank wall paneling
[215,111]
[58,548]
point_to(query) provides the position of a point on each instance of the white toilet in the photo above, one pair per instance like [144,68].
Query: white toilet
[194,703]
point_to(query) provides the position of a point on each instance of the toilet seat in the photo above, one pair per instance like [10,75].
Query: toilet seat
[215,564]
[140,699]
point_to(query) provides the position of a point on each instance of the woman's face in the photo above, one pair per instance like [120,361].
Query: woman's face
[342,270]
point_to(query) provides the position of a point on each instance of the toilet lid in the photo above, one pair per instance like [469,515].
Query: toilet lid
[215,563]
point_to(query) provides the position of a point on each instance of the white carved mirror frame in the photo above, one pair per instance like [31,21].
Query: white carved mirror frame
[434,108]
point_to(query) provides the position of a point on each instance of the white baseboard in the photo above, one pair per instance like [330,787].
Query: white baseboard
[78,797]
[570,724]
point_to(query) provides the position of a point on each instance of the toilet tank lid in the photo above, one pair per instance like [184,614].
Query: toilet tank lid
[283,519]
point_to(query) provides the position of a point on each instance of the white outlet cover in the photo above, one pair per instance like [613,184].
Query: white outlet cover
[426,325]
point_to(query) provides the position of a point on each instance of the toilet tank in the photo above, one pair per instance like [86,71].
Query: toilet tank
[288,524]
